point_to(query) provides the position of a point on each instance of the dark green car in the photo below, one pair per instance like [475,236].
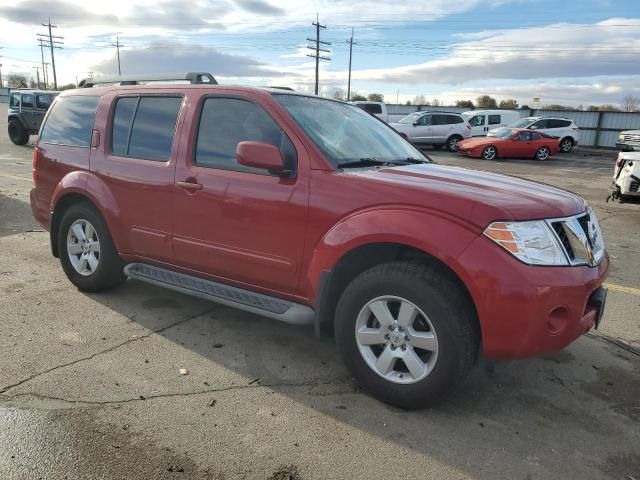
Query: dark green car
[26,112]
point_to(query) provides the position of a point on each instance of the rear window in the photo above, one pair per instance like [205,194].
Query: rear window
[374,108]
[70,121]
[144,127]
[43,101]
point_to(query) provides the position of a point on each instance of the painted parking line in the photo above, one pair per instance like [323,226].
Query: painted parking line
[15,177]
[620,288]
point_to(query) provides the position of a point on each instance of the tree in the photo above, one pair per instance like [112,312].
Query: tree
[408,102]
[17,81]
[525,107]
[510,104]
[555,106]
[630,103]
[485,101]
[375,97]
[356,97]
[607,107]
[419,100]
[339,94]
[67,86]
[435,102]
[464,104]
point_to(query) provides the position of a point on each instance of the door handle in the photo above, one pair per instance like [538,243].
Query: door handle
[191,186]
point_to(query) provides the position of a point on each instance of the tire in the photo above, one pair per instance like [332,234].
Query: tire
[445,321]
[452,143]
[490,153]
[17,133]
[566,145]
[90,267]
[542,154]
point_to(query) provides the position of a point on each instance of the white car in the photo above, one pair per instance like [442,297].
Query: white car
[434,128]
[562,128]
[626,177]
[482,121]
[379,109]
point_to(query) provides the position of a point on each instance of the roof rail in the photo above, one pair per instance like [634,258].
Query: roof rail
[191,77]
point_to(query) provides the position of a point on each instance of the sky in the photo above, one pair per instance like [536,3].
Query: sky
[569,52]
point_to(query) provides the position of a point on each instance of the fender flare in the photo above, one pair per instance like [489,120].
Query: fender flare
[91,187]
[17,117]
[432,232]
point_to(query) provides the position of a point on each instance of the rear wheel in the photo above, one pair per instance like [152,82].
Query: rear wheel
[452,143]
[566,145]
[87,253]
[542,153]
[489,153]
[17,133]
[407,333]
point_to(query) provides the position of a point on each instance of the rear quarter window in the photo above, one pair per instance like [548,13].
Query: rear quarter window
[70,121]
[372,108]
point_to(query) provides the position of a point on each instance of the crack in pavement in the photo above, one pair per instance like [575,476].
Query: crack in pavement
[143,398]
[110,349]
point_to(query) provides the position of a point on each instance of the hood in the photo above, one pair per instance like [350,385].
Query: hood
[480,141]
[476,196]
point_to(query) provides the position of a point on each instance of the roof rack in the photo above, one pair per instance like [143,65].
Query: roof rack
[191,77]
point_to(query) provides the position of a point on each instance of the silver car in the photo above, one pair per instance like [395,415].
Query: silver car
[434,128]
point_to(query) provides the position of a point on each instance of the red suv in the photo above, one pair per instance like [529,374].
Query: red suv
[311,211]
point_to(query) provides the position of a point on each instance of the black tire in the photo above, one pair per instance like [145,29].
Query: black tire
[432,290]
[542,154]
[452,143]
[566,145]
[487,153]
[109,272]
[17,133]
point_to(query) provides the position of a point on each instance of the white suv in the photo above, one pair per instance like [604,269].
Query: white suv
[434,128]
[561,127]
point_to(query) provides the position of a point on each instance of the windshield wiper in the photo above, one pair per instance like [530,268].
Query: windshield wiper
[374,162]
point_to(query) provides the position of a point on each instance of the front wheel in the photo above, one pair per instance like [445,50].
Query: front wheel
[489,153]
[407,333]
[542,153]
[87,253]
[452,143]
[17,133]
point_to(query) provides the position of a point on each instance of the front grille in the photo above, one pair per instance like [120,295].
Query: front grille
[562,235]
[631,137]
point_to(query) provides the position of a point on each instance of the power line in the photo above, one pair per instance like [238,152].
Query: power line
[317,48]
[54,41]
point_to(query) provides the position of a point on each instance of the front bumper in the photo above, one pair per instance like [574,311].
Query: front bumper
[627,147]
[527,310]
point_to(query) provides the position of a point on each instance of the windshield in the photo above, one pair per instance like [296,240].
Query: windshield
[344,133]
[503,133]
[524,123]
[411,118]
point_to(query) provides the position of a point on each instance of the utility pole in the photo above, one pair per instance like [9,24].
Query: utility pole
[44,70]
[0,75]
[37,76]
[350,42]
[317,48]
[52,44]
[46,73]
[117,45]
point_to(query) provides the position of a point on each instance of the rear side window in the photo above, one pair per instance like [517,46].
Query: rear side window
[535,136]
[144,127]
[43,101]
[372,108]
[224,123]
[27,101]
[553,123]
[70,121]
[455,119]
[439,120]
[494,119]
[525,136]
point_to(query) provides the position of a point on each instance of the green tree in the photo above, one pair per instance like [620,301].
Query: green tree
[17,81]
[375,97]
[356,97]
[485,101]
[464,104]
[510,104]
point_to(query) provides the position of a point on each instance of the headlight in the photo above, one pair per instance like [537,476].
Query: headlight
[532,242]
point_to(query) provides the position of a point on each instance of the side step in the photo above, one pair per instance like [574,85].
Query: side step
[257,303]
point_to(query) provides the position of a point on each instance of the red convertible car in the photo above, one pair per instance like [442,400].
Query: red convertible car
[511,142]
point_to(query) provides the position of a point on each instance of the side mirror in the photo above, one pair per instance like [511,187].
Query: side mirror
[533,127]
[415,124]
[261,155]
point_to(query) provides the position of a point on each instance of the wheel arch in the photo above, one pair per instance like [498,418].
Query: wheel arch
[17,117]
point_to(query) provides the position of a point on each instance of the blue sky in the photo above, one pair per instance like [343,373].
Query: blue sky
[571,52]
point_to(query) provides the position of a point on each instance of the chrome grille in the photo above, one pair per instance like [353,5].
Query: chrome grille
[631,137]
[580,237]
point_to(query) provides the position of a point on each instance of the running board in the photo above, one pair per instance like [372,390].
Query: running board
[257,303]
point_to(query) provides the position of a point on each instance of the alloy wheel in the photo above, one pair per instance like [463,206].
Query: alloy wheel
[489,153]
[83,247]
[396,339]
[543,153]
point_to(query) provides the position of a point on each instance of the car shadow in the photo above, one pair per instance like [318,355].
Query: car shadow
[508,415]
[16,216]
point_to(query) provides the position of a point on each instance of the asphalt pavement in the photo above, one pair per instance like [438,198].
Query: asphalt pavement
[91,385]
